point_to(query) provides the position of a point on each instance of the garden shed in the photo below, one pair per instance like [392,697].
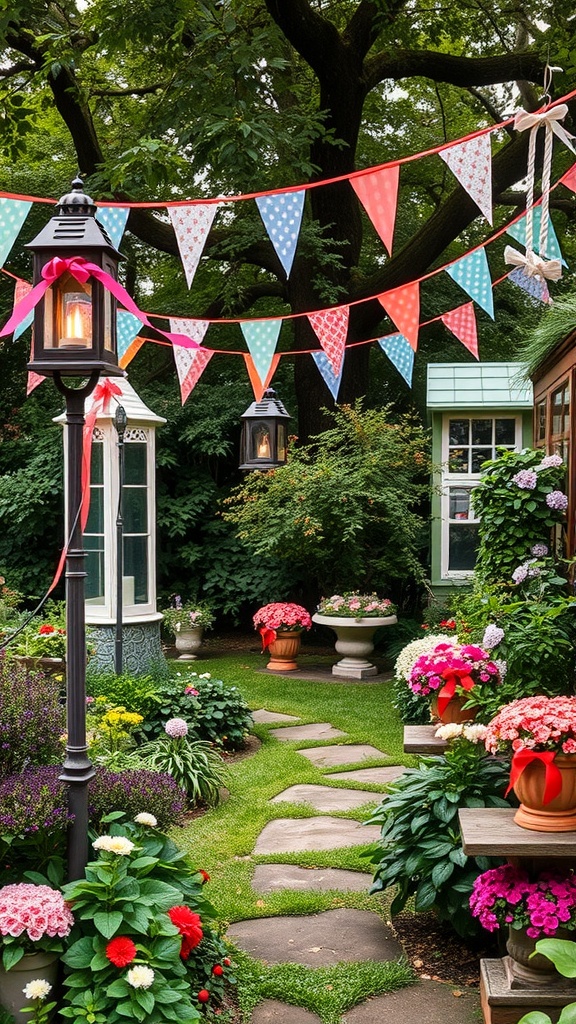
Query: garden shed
[474,408]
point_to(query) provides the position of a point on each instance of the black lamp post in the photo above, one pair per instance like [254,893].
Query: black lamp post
[120,422]
[75,337]
[263,443]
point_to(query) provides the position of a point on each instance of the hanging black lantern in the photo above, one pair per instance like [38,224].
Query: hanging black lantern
[75,323]
[263,444]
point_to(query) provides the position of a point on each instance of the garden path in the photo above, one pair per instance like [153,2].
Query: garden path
[341,935]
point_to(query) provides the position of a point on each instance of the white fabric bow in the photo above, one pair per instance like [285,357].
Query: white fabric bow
[525,120]
[533,265]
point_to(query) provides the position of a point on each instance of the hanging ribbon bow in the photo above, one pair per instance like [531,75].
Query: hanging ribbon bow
[552,778]
[268,636]
[100,402]
[453,677]
[533,265]
[525,120]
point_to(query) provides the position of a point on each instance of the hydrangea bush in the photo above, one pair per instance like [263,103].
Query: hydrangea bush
[33,918]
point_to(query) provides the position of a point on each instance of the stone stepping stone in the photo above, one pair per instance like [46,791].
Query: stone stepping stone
[292,835]
[425,1001]
[318,940]
[262,717]
[377,776]
[333,756]
[325,798]
[315,731]
[272,877]
[272,1012]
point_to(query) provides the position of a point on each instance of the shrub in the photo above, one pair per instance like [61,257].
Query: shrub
[224,717]
[135,693]
[421,850]
[195,766]
[34,821]
[31,719]
[133,792]
[173,701]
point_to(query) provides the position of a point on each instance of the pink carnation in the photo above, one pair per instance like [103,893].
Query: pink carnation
[37,910]
[281,615]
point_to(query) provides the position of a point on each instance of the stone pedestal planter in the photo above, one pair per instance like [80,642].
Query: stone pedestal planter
[355,640]
[188,643]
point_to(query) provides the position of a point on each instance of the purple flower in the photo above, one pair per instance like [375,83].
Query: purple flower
[520,573]
[493,635]
[539,550]
[526,479]
[557,500]
[550,462]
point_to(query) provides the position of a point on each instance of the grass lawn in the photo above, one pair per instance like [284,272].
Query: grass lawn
[221,841]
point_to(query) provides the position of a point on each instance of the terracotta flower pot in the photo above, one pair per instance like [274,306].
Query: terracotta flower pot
[557,815]
[284,651]
[453,712]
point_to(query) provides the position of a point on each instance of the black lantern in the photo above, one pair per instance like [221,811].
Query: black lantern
[75,324]
[264,440]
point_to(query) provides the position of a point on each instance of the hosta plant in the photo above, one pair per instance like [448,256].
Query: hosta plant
[193,764]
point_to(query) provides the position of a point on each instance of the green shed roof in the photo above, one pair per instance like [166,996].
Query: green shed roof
[477,386]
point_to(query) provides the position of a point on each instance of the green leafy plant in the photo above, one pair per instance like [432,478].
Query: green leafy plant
[562,953]
[135,693]
[193,764]
[176,697]
[224,717]
[189,615]
[420,851]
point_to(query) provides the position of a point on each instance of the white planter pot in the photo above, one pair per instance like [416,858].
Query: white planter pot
[188,643]
[355,640]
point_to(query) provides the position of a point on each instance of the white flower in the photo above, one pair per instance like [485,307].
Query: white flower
[409,654]
[146,819]
[140,976]
[37,989]
[449,731]
[474,733]
[205,675]
[114,844]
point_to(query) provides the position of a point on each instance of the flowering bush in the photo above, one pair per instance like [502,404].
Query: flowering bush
[34,819]
[534,723]
[282,615]
[181,616]
[32,719]
[32,918]
[506,896]
[410,654]
[45,641]
[452,669]
[128,791]
[353,605]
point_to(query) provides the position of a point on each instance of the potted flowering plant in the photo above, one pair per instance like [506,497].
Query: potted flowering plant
[354,605]
[448,673]
[280,625]
[355,617]
[532,910]
[540,734]
[44,641]
[186,622]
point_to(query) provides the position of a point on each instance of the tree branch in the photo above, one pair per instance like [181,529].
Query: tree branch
[312,36]
[17,69]
[142,90]
[490,108]
[444,67]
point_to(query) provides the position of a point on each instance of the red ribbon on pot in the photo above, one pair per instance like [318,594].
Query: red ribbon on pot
[453,676]
[552,778]
[268,636]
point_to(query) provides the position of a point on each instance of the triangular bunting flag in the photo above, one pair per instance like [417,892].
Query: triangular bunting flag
[127,327]
[518,232]
[462,322]
[536,287]
[34,379]
[331,379]
[21,290]
[282,216]
[190,365]
[113,220]
[13,213]
[192,226]
[331,329]
[378,193]
[259,386]
[400,353]
[195,329]
[261,337]
[569,179]
[472,273]
[471,163]
[403,307]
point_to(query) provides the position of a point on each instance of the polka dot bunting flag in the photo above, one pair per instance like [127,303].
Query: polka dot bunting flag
[331,328]
[331,379]
[403,307]
[400,353]
[462,322]
[517,231]
[536,287]
[471,163]
[113,220]
[261,337]
[190,362]
[282,216]
[13,213]
[378,193]
[472,273]
[192,226]
[127,327]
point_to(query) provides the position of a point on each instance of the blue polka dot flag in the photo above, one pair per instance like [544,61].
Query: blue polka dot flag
[13,213]
[282,216]
[536,287]
[127,327]
[472,273]
[400,353]
[331,380]
[518,232]
[261,337]
[113,220]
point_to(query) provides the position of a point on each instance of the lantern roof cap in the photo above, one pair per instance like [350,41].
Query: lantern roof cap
[74,226]
[76,201]
[137,412]
[268,407]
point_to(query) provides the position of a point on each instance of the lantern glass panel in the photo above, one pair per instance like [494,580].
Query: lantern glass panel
[281,442]
[110,269]
[73,313]
[261,447]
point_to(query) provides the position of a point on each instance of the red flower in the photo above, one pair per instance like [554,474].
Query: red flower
[121,951]
[190,927]
[46,629]
[203,995]
[205,876]
[227,961]
[217,971]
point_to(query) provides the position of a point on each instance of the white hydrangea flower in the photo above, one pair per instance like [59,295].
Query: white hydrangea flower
[37,989]
[146,819]
[140,976]
[409,654]
[114,844]
[475,733]
[448,732]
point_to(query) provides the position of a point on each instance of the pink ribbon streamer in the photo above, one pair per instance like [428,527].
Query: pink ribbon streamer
[100,401]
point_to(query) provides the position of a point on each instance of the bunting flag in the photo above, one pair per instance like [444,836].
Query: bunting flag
[13,213]
[472,273]
[21,289]
[378,193]
[462,322]
[517,231]
[194,329]
[190,365]
[569,179]
[400,353]
[192,226]
[34,379]
[113,220]
[471,163]
[127,327]
[261,336]
[282,216]
[536,287]
[331,379]
[331,329]
[403,307]
[258,385]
